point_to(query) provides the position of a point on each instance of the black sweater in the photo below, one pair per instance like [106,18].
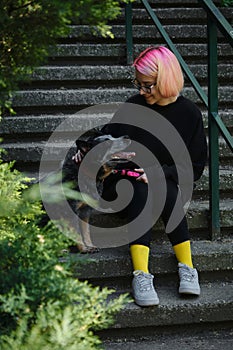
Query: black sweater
[184,115]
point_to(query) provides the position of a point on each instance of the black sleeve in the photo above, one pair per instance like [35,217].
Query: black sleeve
[198,149]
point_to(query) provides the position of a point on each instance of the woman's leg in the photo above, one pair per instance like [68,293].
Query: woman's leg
[144,292]
[179,237]
[139,246]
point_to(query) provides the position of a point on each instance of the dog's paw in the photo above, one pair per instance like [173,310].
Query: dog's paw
[85,249]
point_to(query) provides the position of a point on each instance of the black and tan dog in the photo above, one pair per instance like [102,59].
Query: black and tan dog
[105,159]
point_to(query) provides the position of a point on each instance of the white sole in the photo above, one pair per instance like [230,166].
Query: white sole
[189,291]
[146,303]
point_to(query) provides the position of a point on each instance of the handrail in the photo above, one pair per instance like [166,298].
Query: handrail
[218,18]
[215,124]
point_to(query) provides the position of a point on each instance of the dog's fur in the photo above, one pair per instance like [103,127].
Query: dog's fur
[105,159]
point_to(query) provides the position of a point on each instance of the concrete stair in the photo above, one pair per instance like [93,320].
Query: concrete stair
[175,314]
[179,339]
[84,71]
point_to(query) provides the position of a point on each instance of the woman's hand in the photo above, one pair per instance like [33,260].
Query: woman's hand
[77,158]
[143,177]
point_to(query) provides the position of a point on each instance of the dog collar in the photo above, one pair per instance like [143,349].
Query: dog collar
[126,172]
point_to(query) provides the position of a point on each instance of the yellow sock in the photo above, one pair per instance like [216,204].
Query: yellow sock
[183,253]
[140,257]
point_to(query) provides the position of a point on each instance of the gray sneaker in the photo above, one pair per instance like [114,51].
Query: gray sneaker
[143,289]
[188,280]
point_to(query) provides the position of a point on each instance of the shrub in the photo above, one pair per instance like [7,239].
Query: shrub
[227,2]
[41,305]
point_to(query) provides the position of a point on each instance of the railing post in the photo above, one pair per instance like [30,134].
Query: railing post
[129,32]
[213,129]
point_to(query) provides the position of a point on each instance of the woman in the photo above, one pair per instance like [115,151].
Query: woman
[159,80]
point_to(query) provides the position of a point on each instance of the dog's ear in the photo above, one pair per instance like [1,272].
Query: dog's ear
[88,136]
[95,132]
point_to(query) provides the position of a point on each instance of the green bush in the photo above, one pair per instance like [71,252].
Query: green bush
[41,305]
[227,2]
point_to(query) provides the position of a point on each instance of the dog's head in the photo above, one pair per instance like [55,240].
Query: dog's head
[107,149]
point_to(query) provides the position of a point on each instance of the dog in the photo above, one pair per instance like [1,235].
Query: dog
[105,159]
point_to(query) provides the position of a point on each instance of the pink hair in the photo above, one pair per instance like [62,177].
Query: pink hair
[161,63]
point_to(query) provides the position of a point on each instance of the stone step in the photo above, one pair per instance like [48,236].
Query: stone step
[214,305]
[169,15]
[225,178]
[93,52]
[177,3]
[117,49]
[198,216]
[190,15]
[46,124]
[12,126]
[179,33]
[77,98]
[31,153]
[192,338]
[107,75]
[200,192]
[113,266]
[21,150]
[169,3]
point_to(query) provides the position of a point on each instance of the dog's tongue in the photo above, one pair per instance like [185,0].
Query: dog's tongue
[123,155]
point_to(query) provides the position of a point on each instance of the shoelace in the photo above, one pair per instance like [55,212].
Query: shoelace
[187,275]
[145,282]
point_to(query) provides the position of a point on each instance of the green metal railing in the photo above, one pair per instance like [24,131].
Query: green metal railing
[215,20]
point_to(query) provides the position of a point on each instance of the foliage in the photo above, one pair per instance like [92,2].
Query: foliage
[227,2]
[29,28]
[41,305]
